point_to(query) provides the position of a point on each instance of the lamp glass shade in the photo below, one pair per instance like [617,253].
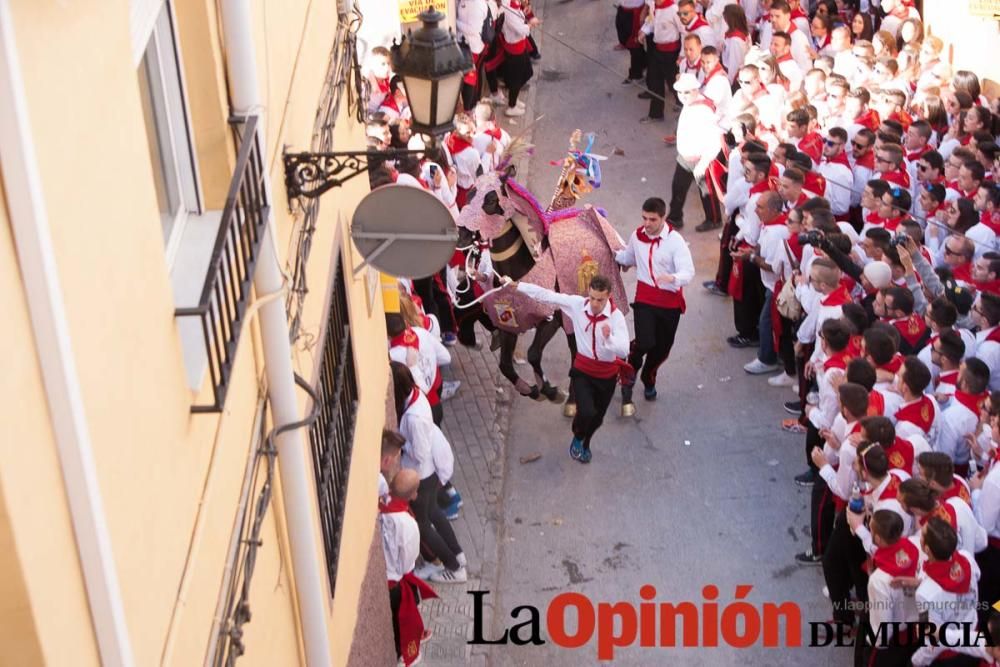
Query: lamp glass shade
[449,89]
[418,95]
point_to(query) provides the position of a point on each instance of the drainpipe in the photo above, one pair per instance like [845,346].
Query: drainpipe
[64,396]
[296,480]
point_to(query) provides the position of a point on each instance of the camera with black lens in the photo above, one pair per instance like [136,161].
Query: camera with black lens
[813,237]
[899,239]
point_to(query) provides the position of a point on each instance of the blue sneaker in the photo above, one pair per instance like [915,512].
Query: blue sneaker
[650,393]
[576,449]
[454,509]
[584,456]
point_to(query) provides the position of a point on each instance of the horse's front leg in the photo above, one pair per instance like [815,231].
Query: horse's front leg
[508,342]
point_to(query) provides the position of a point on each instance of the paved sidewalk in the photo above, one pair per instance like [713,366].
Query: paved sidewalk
[475,421]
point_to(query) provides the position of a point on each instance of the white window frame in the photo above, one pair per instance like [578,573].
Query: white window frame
[153,27]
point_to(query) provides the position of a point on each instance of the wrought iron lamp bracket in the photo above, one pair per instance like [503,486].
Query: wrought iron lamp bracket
[309,175]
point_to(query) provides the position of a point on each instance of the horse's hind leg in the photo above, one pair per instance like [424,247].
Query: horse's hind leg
[507,343]
[569,409]
[543,334]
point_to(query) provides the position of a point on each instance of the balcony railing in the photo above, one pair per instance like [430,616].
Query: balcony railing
[331,436]
[224,297]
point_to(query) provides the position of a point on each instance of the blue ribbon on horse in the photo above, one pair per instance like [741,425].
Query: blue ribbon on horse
[589,162]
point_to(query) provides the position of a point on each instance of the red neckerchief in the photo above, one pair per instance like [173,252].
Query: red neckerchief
[815,183]
[390,102]
[953,575]
[839,158]
[898,176]
[902,118]
[693,65]
[876,403]
[593,321]
[901,11]
[763,186]
[394,506]
[965,140]
[785,58]
[456,143]
[892,224]
[825,43]
[948,377]
[971,401]
[894,364]
[704,100]
[911,328]
[916,155]
[958,489]
[698,22]
[812,145]
[985,218]
[890,491]
[406,339]
[777,220]
[799,13]
[802,199]
[867,160]
[943,511]
[515,4]
[643,237]
[837,360]
[963,273]
[383,85]
[663,4]
[854,345]
[715,72]
[494,132]
[994,335]
[869,119]
[920,413]
[738,34]
[411,399]
[900,455]
[791,26]
[898,560]
[838,297]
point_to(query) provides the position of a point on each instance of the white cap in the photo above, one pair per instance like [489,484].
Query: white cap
[686,83]
[879,274]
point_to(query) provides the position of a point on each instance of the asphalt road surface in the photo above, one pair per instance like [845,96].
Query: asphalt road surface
[696,489]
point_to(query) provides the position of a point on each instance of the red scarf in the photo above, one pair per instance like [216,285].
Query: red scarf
[390,102]
[916,155]
[456,143]
[958,489]
[383,85]
[798,13]
[963,273]
[898,560]
[814,183]
[971,401]
[870,120]
[953,575]
[838,297]
[715,72]
[784,59]
[898,176]
[812,145]
[763,186]
[406,339]
[920,413]
[738,35]
[698,22]
[641,235]
[825,43]
[837,360]
[911,328]
[839,158]
[942,510]
[948,377]
[900,454]
[902,118]
[991,221]
[867,160]
[894,364]
[876,403]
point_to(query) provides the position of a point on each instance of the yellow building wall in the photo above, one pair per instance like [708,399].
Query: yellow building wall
[163,471]
[971,42]
[43,605]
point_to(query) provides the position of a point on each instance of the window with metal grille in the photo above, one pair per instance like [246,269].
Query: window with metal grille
[331,437]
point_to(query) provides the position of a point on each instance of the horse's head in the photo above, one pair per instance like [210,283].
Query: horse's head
[488,205]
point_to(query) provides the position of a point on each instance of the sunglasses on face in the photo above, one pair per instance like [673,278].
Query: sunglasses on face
[882,160]
[831,143]
[949,251]
[859,146]
[923,167]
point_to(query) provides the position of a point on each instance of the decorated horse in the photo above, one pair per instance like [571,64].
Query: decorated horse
[559,247]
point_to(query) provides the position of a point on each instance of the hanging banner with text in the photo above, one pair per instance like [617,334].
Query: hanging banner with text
[409,10]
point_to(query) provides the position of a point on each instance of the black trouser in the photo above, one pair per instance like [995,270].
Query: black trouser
[437,414]
[623,26]
[746,310]
[516,70]
[395,599]
[655,329]
[989,580]
[593,396]
[725,266]
[842,569]
[786,344]
[813,440]
[821,516]
[436,534]
[683,178]
[661,71]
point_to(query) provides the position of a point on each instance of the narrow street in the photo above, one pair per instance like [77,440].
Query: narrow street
[697,488]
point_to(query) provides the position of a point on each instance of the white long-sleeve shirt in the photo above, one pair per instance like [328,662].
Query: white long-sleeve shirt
[841,481]
[839,181]
[986,503]
[956,422]
[875,502]
[587,334]
[418,428]
[400,543]
[470,16]
[670,256]
[431,354]
[989,352]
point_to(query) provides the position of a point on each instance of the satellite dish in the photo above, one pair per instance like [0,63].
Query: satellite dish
[404,231]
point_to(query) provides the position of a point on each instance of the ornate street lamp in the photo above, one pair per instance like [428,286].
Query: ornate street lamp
[432,64]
